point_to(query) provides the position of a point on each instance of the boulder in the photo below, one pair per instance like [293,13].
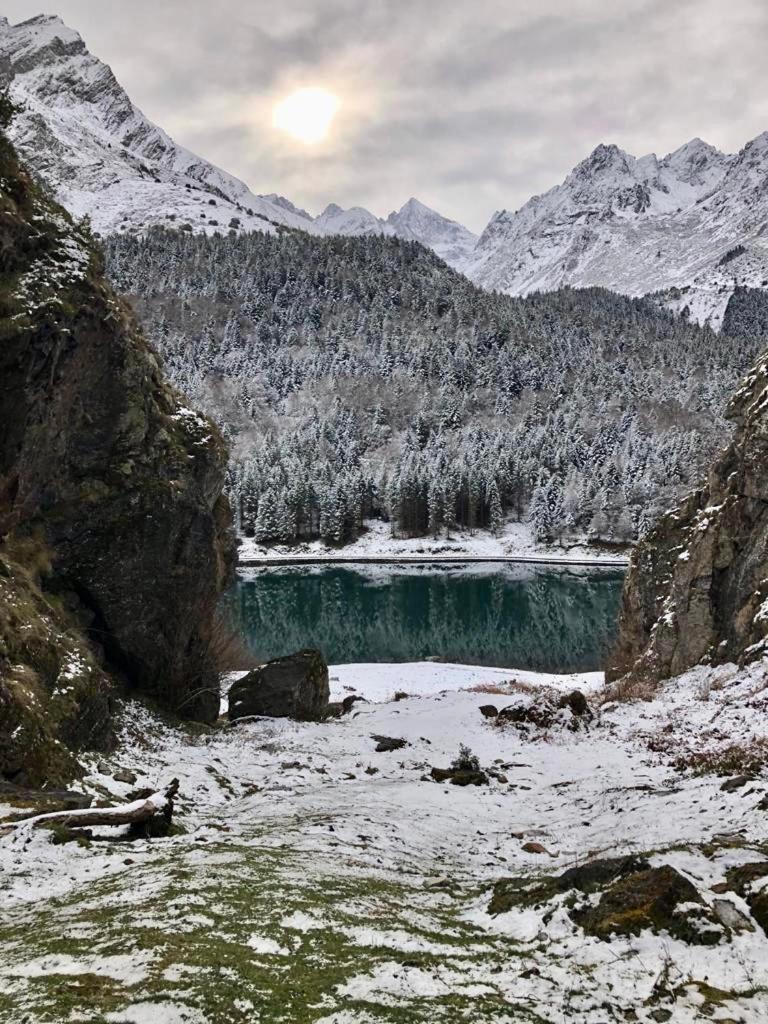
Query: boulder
[488,710]
[523,891]
[659,899]
[547,709]
[750,881]
[460,776]
[386,744]
[295,686]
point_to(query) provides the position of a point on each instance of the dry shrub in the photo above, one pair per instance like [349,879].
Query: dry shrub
[226,648]
[736,759]
[502,689]
[628,689]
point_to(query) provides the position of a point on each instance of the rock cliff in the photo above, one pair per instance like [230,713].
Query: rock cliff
[697,589]
[110,487]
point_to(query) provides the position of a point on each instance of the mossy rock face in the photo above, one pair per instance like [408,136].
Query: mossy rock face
[659,899]
[54,698]
[515,893]
[103,463]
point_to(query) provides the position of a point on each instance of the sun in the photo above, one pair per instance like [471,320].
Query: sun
[306,114]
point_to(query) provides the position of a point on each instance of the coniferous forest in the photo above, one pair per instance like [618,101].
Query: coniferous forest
[360,377]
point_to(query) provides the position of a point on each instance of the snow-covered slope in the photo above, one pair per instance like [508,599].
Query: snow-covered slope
[638,226]
[79,130]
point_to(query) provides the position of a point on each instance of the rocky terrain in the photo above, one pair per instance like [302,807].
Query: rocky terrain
[605,862]
[115,537]
[697,590]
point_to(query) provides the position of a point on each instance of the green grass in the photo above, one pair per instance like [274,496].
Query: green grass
[148,912]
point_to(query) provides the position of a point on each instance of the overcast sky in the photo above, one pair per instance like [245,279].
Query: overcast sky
[470,105]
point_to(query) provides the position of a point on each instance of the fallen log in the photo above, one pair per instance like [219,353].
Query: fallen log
[137,813]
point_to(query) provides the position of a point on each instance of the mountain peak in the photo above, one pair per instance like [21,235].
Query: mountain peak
[331,210]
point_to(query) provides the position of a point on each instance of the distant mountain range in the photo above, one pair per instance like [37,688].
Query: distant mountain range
[692,225]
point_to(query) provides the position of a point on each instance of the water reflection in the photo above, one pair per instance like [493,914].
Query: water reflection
[545,619]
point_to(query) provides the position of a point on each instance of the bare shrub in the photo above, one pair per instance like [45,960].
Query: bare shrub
[628,689]
[749,758]
[226,649]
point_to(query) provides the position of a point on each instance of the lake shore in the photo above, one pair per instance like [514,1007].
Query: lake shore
[375,546]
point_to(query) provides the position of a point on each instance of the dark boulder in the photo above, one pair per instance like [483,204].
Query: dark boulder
[460,776]
[592,876]
[386,744]
[295,686]
[488,710]
[750,881]
[659,899]
[547,709]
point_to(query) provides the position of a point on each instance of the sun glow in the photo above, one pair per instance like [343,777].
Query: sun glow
[306,114]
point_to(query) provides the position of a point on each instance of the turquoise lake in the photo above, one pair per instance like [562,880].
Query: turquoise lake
[540,618]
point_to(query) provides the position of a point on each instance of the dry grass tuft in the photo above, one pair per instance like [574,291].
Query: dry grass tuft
[504,689]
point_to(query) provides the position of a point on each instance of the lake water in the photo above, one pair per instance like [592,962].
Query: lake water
[528,617]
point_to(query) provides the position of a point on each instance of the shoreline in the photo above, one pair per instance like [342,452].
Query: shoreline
[609,562]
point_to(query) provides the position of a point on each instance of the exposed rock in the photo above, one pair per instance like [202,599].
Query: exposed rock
[295,686]
[110,494]
[731,785]
[660,899]
[460,776]
[509,893]
[488,710]
[730,915]
[750,881]
[697,589]
[534,847]
[123,775]
[386,744]
[54,697]
[547,709]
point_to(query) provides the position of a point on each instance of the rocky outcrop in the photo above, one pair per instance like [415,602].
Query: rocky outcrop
[55,699]
[697,589]
[292,687]
[110,488]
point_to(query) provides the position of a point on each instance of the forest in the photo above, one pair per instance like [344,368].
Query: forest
[362,377]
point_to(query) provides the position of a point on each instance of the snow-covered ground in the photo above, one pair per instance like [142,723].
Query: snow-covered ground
[320,881]
[514,543]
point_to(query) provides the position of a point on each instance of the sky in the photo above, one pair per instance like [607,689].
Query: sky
[470,105]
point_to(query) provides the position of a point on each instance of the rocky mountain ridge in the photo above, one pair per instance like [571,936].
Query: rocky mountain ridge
[690,225]
[79,130]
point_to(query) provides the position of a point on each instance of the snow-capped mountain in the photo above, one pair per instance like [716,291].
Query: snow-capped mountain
[692,224]
[413,221]
[79,130]
[448,238]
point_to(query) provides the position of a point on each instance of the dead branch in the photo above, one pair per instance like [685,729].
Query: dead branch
[136,813]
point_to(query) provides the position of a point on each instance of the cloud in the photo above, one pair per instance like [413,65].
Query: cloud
[469,106]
